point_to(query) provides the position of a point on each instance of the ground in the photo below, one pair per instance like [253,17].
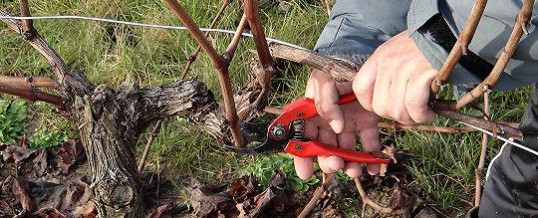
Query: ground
[436,168]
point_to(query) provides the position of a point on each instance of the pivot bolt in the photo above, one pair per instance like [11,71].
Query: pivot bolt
[279,131]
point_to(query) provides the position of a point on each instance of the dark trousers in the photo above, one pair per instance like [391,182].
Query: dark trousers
[511,188]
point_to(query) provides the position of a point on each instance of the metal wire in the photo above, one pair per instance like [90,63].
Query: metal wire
[73,17]
[509,141]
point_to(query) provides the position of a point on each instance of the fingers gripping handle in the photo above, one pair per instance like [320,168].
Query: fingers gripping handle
[314,148]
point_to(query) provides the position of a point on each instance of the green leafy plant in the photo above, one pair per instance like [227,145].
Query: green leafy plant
[264,168]
[300,185]
[45,138]
[13,114]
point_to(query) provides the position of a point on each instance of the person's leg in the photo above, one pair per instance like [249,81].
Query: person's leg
[511,188]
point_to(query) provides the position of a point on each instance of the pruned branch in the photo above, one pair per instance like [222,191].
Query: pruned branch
[32,94]
[339,70]
[460,47]
[509,49]
[220,65]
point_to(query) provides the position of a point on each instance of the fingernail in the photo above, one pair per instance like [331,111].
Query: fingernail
[336,126]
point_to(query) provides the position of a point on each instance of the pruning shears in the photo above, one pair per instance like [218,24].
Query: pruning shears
[286,133]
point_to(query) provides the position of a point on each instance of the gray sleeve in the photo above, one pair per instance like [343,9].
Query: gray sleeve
[357,27]
[491,35]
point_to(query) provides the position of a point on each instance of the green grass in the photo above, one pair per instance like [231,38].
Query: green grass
[114,54]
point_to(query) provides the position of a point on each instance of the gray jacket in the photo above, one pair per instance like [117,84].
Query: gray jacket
[357,27]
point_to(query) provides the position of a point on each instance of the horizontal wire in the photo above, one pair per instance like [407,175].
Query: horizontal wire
[73,17]
[503,139]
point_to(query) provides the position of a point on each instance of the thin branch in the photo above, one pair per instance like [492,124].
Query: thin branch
[74,81]
[453,130]
[481,160]
[28,82]
[253,17]
[339,70]
[496,128]
[397,126]
[509,49]
[154,134]
[460,47]
[230,50]
[317,195]
[32,94]
[28,30]
[367,201]
[194,54]
[327,5]
[220,65]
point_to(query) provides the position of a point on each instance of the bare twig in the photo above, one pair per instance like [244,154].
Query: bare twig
[460,48]
[32,94]
[397,126]
[230,51]
[317,195]
[194,54]
[367,201]
[253,18]
[40,82]
[153,135]
[509,49]
[443,129]
[27,31]
[339,70]
[481,160]
[220,65]
[327,5]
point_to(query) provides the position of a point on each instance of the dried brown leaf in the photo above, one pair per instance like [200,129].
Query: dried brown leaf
[158,212]
[5,209]
[49,213]
[207,204]
[21,190]
[69,154]
[242,188]
[40,162]
[87,210]
[16,154]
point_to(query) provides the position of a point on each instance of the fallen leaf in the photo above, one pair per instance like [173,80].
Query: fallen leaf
[21,190]
[87,210]
[242,188]
[70,153]
[207,204]
[16,154]
[49,213]
[5,209]
[40,162]
[158,212]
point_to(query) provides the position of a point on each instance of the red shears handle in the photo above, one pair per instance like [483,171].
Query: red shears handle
[315,148]
[306,108]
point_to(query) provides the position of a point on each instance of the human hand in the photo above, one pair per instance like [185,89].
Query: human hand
[337,126]
[395,82]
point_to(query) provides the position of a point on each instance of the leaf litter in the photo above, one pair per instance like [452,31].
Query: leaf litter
[53,183]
